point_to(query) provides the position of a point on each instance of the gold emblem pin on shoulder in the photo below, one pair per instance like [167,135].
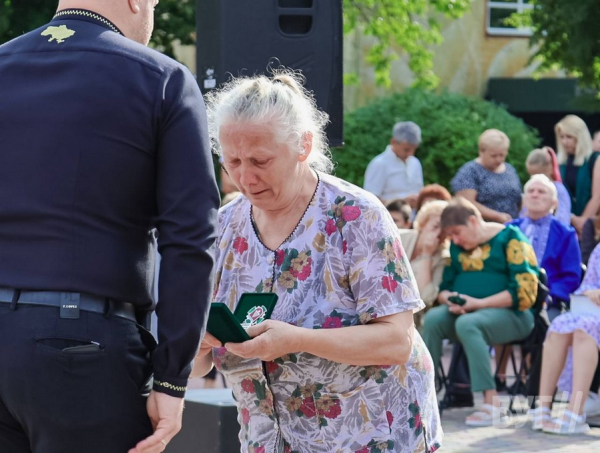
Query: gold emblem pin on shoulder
[58,34]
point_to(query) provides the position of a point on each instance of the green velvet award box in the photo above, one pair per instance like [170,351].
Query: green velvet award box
[252,309]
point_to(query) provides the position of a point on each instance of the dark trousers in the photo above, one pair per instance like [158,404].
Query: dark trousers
[56,401]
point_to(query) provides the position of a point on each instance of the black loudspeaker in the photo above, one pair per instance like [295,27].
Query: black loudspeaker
[209,423]
[243,37]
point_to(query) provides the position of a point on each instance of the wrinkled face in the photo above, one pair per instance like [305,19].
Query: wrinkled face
[540,170]
[492,157]
[538,200]
[465,236]
[264,170]
[403,149]
[144,21]
[568,141]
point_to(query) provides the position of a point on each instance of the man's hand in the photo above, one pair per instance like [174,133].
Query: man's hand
[469,306]
[444,295]
[271,339]
[165,413]
[472,303]
[456,309]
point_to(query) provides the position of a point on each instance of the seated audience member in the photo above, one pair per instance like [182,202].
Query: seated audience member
[590,237]
[427,251]
[555,245]
[543,161]
[579,167]
[401,212]
[494,271]
[581,333]
[489,182]
[432,192]
[397,173]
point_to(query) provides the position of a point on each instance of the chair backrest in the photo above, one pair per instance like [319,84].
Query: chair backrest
[542,293]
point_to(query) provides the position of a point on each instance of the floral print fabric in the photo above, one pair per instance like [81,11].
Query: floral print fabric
[342,266]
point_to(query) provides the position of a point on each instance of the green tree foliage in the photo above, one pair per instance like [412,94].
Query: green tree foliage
[18,17]
[398,26]
[174,20]
[566,34]
[402,26]
[451,124]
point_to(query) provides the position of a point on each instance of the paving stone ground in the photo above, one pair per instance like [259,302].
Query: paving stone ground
[517,438]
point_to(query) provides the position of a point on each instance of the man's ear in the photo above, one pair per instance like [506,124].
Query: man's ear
[473,221]
[134,6]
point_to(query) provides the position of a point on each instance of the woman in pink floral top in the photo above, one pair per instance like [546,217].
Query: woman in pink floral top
[339,367]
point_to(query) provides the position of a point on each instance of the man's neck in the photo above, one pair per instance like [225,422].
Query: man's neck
[537,215]
[113,11]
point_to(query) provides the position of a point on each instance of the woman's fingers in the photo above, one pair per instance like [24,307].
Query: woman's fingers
[211,341]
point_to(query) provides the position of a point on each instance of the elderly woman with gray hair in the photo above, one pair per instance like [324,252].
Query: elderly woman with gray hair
[339,366]
[397,173]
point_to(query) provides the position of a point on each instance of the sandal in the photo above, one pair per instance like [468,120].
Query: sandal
[540,416]
[568,423]
[488,415]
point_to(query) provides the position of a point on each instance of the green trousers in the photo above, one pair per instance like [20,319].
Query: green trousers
[476,331]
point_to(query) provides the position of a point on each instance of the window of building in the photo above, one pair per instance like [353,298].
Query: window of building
[499,10]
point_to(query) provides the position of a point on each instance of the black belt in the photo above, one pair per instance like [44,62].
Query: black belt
[70,303]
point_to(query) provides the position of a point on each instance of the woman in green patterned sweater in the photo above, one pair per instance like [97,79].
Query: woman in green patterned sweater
[493,268]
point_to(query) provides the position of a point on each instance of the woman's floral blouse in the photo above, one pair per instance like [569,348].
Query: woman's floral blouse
[342,266]
[505,262]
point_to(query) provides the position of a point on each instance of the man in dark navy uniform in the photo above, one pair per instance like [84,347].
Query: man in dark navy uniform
[103,143]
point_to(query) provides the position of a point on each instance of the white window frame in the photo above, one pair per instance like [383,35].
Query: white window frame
[514,6]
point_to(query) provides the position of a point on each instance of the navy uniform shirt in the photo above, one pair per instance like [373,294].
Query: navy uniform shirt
[101,141]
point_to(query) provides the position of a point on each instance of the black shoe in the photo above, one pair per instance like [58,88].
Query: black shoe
[458,400]
[500,384]
[517,388]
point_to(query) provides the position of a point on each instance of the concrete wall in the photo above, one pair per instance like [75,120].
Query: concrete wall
[464,62]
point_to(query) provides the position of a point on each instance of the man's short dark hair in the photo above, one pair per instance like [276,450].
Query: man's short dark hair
[458,212]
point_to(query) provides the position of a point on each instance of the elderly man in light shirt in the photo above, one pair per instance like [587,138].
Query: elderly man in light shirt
[397,173]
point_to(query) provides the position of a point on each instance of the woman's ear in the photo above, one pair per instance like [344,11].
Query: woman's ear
[307,139]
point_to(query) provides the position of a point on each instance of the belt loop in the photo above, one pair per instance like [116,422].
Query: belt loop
[108,307]
[15,299]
